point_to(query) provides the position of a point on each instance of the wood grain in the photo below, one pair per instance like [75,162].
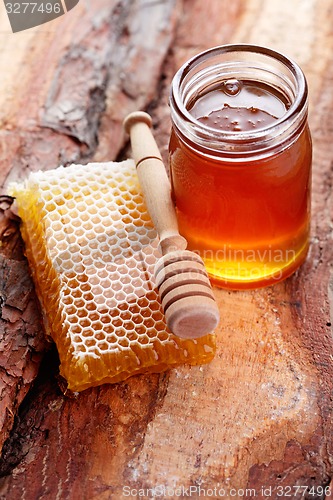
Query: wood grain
[260,415]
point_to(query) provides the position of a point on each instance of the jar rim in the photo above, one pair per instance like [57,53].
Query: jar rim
[295,113]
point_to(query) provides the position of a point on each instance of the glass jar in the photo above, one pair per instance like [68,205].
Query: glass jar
[240,163]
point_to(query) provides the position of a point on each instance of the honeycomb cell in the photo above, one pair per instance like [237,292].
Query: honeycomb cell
[91,342]
[112,340]
[92,248]
[124,342]
[144,339]
[129,325]
[103,346]
[98,328]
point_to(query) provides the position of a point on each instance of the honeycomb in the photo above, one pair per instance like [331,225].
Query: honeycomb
[92,249]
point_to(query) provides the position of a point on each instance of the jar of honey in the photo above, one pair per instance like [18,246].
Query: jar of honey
[240,163]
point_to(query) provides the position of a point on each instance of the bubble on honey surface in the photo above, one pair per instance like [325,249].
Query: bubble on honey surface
[232,87]
[237,119]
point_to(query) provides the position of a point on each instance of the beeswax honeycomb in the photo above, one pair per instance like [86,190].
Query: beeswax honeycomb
[92,249]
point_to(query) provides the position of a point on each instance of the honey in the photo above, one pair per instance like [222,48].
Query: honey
[240,162]
[92,250]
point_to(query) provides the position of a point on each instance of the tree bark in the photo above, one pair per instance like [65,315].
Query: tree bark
[259,416]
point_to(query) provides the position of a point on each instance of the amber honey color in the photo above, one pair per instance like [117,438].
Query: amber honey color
[248,218]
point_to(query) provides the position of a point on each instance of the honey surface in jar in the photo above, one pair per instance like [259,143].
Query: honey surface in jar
[92,249]
[248,219]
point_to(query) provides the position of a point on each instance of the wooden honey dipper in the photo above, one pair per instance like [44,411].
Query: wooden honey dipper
[184,287]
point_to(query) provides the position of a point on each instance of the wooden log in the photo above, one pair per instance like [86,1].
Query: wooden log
[22,341]
[260,415]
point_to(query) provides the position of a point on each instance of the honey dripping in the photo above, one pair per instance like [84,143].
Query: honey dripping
[249,221]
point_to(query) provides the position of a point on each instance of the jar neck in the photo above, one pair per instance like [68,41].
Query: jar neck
[242,62]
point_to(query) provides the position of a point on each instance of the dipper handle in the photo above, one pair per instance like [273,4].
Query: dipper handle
[185,291]
[154,181]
